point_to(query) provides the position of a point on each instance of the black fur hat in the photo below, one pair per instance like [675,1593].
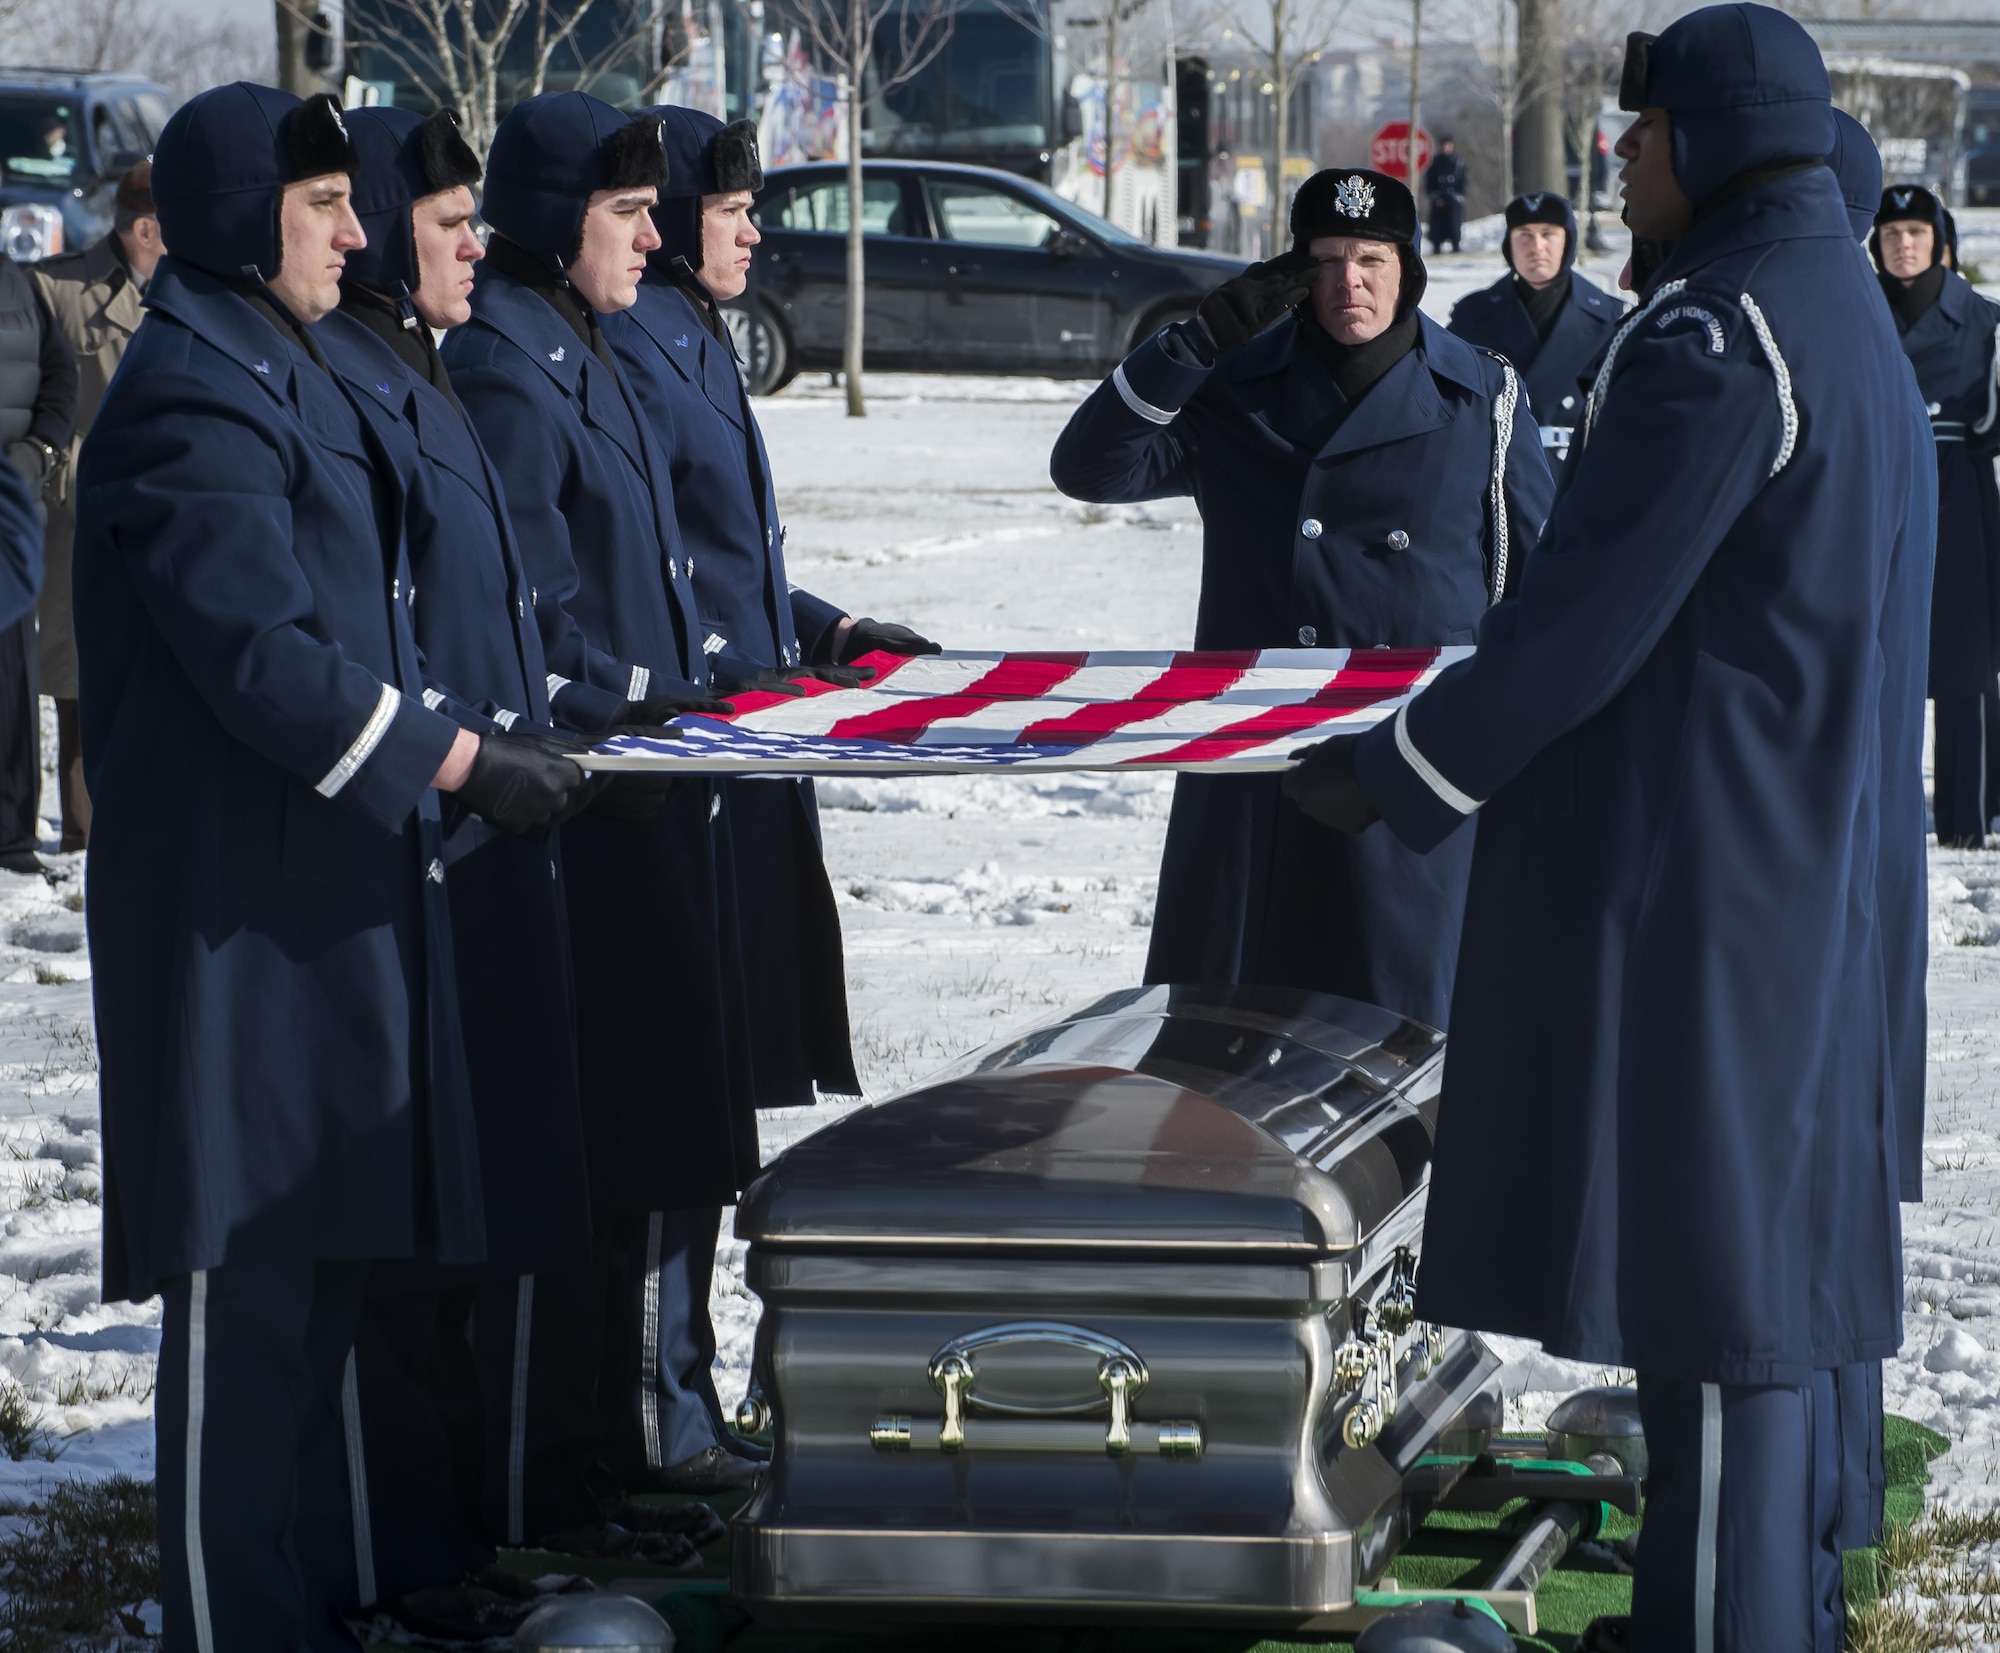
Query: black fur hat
[1542,206]
[705,158]
[1909,203]
[551,154]
[1369,206]
[636,156]
[316,140]
[446,158]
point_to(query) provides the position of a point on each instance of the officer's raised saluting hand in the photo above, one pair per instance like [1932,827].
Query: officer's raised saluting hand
[866,636]
[1243,306]
[520,779]
[1325,787]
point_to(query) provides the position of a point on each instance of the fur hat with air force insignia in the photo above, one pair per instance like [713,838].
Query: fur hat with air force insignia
[1909,204]
[1541,206]
[1369,206]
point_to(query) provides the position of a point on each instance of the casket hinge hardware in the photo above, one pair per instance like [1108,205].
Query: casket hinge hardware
[890,1432]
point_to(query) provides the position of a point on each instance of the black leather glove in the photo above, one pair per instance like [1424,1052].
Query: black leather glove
[791,680]
[866,636]
[658,708]
[1243,306]
[523,779]
[1324,786]
[632,797]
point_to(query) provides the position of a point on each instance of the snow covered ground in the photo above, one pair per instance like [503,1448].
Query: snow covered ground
[970,906]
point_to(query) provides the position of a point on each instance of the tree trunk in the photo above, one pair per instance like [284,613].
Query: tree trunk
[1280,107]
[857,62]
[1416,98]
[1540,129]
[293,75]
[1110,107]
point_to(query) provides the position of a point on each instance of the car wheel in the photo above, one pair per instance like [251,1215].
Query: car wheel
[760,340]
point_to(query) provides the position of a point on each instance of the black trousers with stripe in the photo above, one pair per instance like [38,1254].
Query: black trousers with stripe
[1959,782]
[592,1376]
[257,1520]
[1752,1494]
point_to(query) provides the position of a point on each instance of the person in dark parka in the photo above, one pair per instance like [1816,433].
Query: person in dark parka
[1672,1011]
[419,1424]
[676,352]
[1545,318]
[283,1082]
[665,1071]
[1446,180]
[1948,332]
[1347,492]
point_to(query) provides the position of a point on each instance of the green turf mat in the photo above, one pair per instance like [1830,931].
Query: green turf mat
[1454,1549]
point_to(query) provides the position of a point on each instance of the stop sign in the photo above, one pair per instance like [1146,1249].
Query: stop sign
[1389,149]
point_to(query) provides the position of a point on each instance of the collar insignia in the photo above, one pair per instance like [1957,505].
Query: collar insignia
[384,389]
[263,367]
[556,354]
[1354,197]
[682,341]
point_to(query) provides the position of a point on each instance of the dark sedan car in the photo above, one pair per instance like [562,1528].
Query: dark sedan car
[66,137]
[969,271]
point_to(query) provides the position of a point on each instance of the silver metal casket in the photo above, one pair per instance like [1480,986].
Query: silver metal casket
[1114,1318]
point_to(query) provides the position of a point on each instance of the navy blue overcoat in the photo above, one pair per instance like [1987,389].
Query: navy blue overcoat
[669,1114]
[1495,319]
[1952,349]
[687,383]
[1322,527]
[1672,1052]
[473,610]
[272,968]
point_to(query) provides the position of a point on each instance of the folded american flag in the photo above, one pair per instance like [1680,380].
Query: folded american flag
[1234,711]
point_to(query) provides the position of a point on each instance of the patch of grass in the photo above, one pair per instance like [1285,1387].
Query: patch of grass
[1938,1592]
[83,1564]
[21,1433]
[74,901]
[47,975]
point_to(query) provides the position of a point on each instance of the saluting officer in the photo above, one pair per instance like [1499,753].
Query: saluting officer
[1366,481]
[418,1428]
[676,352]
[1545,318]
[1673,990]
[283,1081]
[1948,332]
[669,1116]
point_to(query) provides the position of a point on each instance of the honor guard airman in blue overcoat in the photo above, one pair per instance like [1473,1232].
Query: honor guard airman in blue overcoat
[284,1089]
[1544,317]
[669,1109]
[1365,481]
[1672,1016]
[1948,331]
[418,1426]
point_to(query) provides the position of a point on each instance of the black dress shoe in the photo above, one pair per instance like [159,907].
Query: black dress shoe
[1606,1635]
[697,1523]
[713,1469]
[606,1540]
[459,1612]
[25,861]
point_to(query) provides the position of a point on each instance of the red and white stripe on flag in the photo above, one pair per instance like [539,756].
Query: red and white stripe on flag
[1236,711]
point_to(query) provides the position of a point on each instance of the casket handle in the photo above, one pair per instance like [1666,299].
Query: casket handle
[1121,1374]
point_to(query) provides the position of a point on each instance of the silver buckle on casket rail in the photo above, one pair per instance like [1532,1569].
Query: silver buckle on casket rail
[1121,1375]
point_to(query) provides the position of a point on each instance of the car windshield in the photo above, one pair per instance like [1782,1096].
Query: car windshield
[41,140]
[1079,217]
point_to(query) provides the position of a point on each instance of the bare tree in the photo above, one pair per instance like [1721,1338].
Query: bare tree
[469,53]
[1286,38]
[878,45]
[1593,51]
[184,54]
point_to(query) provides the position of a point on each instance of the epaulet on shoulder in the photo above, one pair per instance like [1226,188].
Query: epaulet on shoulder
[1505,366]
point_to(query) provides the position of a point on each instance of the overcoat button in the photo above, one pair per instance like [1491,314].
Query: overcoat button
[1569,401]
[1310,528]
[1398,540]
[1308,636]
[715,806]
[435,871]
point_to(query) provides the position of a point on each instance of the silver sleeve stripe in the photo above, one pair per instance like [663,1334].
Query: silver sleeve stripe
[556,683]
[386,705]
[1137,403]
[1788,410]
[505,718]
[641,676]
[714,643]
[1426,771]
[433,699]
